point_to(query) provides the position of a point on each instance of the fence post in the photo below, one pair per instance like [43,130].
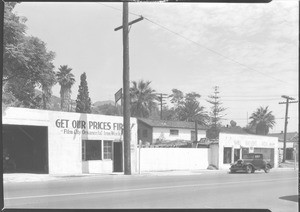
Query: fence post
[140,144]
[295,158]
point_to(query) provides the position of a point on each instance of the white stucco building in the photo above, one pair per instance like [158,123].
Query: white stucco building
[65,143]
[153,131]
[234,142]
[53,142]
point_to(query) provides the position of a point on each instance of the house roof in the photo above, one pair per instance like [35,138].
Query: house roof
[171,124]
[233,130]
[290,136]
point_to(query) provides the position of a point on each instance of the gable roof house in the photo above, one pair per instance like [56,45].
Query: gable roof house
[292,141]
[162,131]
[291,138]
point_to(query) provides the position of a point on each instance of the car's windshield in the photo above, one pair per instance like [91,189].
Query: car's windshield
[248,156]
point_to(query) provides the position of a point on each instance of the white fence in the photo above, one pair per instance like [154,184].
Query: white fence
[162,159]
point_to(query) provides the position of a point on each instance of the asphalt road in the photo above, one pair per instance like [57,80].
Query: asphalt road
[277,191]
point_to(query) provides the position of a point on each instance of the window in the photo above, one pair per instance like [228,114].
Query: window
[174,132]
[145,133]
[257,156]
[245,151]
[107,150]
[227,155]
[91,150]
[248,156]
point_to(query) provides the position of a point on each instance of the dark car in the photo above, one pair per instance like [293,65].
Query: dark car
[250,163]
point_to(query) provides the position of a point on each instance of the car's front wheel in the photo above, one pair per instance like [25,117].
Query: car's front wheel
[248,169]
[267,169]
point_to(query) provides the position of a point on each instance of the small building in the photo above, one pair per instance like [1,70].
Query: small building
[154,131]
[54,142]
[292,141]
[233,142]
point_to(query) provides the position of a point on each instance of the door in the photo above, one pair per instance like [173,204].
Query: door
[236,154]
[118,157]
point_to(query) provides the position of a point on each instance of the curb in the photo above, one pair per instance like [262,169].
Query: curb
[22,178]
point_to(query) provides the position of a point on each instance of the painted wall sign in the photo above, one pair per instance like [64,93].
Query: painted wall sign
[248,141]
[68,126]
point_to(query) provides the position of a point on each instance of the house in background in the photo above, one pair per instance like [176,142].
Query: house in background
[292,141]
[154,131]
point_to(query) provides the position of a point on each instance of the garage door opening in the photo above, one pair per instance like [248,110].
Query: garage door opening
[25,149]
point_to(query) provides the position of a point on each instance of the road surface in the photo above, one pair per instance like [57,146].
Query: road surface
[277,191]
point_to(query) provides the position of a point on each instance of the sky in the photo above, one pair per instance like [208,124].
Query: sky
[250,51]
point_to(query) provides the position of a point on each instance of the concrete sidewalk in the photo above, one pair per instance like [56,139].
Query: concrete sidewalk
[27,177]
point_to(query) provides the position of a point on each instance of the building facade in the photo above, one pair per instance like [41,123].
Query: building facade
[154,131]
[291,145]
[53,142]
[232,145]
[65,143]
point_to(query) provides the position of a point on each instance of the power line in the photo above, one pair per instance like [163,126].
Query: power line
[198,44]
[244,96]
[211,50]
[274,118]
[117,9]
[245,100]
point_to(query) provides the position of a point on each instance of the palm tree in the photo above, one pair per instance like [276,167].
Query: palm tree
[190,110]
[142,98]
[66,80]
[262,121]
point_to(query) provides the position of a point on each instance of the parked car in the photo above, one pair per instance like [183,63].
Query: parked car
[250,163]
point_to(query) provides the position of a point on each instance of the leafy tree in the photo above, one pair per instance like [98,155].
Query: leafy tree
[249,129]
[142,99]
[262,120]
[23,93]
[107,109]
[66,80]
[14,59]
[26,63]
[190,110]
[169,114]
[41,63]
[177,97]
[186,107]
[83,102]
[233,123]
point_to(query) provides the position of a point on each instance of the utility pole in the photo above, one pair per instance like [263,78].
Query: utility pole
[161,97]
[196,131]
[126,100]
[286,122]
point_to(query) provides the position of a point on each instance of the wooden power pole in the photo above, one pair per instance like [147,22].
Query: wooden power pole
[126,100]
[126,106]
[161,97]
[286,122]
